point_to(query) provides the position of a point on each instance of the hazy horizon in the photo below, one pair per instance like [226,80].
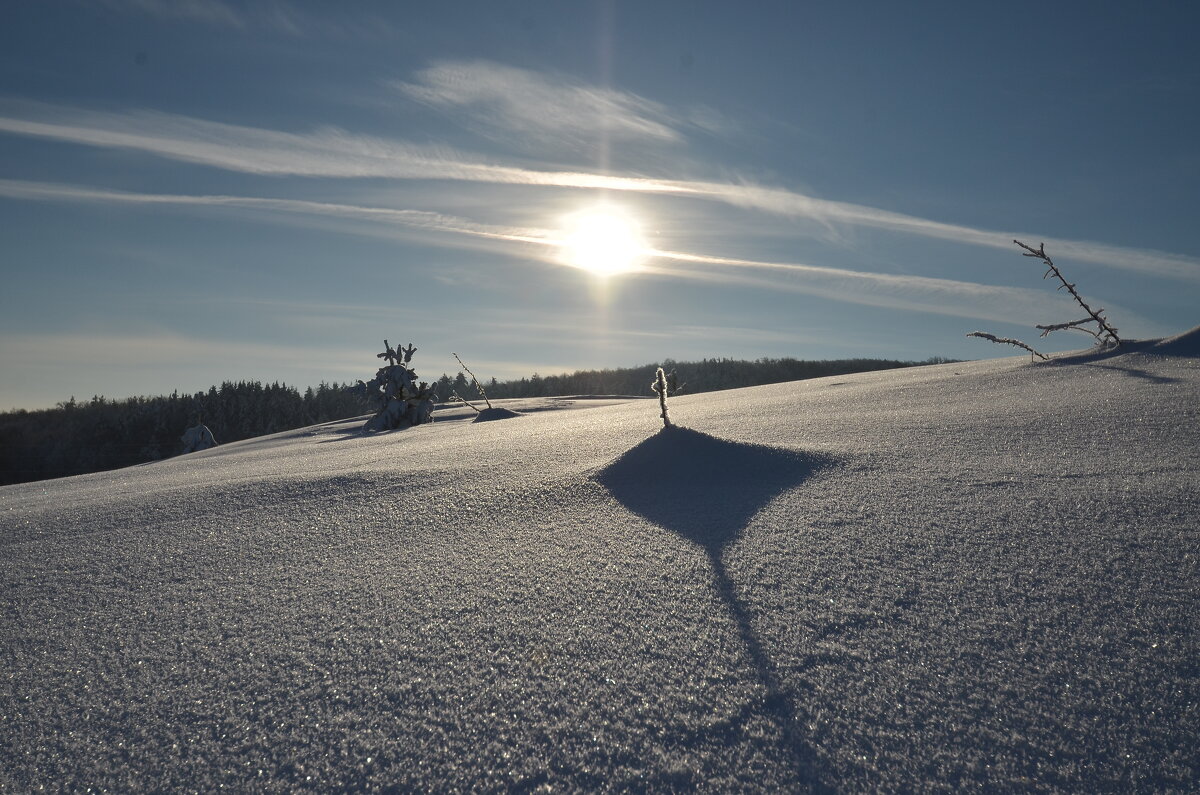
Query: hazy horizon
[427,374]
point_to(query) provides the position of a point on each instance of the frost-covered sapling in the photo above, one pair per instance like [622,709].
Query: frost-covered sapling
[478,386]
[491,412]
[661,386]
[454,396]
[402,401]
[1104,332]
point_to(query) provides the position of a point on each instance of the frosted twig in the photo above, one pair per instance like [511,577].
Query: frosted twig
[1110,334]
[478,385]
[1008,341]
[660,386]
[1074,325]
[455,396]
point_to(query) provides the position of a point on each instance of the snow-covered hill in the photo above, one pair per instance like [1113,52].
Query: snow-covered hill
[953,577]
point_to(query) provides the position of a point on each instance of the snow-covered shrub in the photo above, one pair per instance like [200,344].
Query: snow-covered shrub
[198,437]
[1104,332]
[402,401]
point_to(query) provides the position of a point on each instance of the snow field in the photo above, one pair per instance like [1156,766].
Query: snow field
[966,576]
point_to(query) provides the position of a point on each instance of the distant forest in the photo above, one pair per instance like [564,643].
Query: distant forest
[78,437]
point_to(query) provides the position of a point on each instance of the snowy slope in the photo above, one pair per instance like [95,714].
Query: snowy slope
[954,577]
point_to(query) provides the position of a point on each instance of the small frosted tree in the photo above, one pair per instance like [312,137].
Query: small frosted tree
[402,401]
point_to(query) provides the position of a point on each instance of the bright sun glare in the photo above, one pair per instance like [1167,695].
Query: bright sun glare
[602,241]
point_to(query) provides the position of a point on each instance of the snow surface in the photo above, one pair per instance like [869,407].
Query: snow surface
[962,576]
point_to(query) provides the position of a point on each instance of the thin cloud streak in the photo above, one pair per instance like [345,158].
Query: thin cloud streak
[788,203]
[914,293]
[883,280]
[418,219]
[331,152]
[923,294]
[548,108]
[327,152]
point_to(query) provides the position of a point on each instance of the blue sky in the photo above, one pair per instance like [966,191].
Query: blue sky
[200,191]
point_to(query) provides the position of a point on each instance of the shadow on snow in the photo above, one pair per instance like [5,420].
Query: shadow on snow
[1123,357]
[707,490]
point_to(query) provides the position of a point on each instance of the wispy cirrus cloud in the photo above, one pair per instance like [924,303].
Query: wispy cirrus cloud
[784,202]
[415,219]
[334,153]
[533,104]
[325,152]
[924,294]
[947,297]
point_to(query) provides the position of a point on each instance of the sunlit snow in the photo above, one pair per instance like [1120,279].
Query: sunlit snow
[976,575]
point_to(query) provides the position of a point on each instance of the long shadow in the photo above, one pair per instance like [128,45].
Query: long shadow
[1134,372]
[1118,359]
[706,490]
[1185,345]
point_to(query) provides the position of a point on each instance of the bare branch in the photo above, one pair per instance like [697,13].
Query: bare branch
[1109,333]
[1074,325]
[1008,341]
[478,385]
[455,396]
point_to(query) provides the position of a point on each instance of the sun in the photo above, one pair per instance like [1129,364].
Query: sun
[602,241]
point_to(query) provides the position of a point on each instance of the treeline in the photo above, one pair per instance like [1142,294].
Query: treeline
[706,375]
[77,437]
